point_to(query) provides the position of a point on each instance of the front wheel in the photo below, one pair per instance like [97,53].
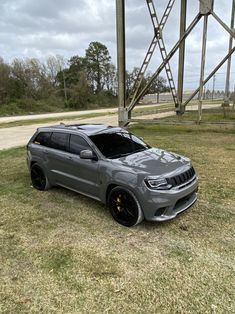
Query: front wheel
[124,207]
[39,179]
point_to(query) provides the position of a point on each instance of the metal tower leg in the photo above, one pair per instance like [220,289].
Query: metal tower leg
[203,61]
[227,86]
[121,61]
[183,21]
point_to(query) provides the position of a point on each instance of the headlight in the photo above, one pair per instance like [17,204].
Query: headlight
[157,183]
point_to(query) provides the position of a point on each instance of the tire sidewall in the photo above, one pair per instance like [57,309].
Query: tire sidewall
[140,215]
[47,185]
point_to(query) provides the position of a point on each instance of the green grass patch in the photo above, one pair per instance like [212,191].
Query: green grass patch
[154,109]
[208,115]
[61,252]
[29,106]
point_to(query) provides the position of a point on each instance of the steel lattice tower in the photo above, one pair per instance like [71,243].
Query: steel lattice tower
[206,9]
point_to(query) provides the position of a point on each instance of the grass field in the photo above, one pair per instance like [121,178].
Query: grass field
[208,115]
[62,253]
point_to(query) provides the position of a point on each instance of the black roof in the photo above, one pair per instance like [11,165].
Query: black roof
[89,129]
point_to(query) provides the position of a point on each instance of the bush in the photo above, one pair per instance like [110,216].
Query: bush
[30,106]
[80,98]
[104,99]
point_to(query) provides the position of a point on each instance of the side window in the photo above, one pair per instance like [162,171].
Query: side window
[77,144]
[59,141]
[43,139]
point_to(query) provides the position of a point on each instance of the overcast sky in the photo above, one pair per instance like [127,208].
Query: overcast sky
[37,29]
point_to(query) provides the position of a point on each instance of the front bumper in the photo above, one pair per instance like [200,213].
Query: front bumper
[166,205]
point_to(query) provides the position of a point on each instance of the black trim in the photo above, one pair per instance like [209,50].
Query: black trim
[181,178]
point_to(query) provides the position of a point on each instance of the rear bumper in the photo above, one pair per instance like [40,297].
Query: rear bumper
[166,205]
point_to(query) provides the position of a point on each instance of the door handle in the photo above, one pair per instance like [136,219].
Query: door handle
[69,158]
[45,151]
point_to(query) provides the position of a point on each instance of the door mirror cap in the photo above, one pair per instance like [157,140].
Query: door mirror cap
[88,154]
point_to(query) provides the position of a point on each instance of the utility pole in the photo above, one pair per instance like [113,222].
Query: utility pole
[227,85]
[204,94]
[213,89]
[234,98]
[65,89]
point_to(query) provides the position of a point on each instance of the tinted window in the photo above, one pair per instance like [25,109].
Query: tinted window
[77,144]
[59,141]
[115,145]
[43,139]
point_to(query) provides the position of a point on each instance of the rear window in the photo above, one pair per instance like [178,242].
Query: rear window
[59,141]
[43,139]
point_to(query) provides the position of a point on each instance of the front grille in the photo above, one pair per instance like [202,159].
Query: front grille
[181,178]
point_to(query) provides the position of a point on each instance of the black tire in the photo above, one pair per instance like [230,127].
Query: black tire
[124,207]
[39,179]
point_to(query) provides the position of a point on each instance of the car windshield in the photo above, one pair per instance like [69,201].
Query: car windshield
[118,144]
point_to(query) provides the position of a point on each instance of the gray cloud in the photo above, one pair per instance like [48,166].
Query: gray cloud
[41,28]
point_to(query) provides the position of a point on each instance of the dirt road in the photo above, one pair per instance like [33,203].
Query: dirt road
[20,135]
[56,115]
[69,114]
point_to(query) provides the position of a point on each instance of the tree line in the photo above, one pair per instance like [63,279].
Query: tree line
[57,84]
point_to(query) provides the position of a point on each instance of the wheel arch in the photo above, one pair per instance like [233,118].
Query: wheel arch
[32,163]
[140,215]
[111,186]
[109,189]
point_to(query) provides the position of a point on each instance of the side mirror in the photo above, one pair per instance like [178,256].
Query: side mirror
[88,154]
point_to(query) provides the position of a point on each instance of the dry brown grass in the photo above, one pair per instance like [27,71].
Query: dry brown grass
[62,253]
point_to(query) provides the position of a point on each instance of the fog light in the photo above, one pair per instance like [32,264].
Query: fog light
[160,211]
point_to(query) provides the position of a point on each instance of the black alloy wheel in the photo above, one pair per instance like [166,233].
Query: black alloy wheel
[124,207]
[39,180]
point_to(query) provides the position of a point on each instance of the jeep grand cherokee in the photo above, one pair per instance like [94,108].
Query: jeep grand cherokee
[113,166]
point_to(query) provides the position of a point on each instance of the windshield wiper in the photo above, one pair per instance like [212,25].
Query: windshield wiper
[120,155]
[140,150]
[126,154]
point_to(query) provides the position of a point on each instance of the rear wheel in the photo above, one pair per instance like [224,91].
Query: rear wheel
[124,207]
[39,179]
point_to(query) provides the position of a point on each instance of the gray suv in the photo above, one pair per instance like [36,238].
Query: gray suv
[115,167]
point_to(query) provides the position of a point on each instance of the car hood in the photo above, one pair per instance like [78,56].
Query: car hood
[154,162]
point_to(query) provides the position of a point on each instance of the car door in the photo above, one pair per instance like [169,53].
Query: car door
[83,174]
[56,154]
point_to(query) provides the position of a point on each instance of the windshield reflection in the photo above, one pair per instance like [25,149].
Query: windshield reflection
[118,144]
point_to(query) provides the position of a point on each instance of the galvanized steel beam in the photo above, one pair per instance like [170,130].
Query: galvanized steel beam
[203,62]
[210,75]
[205,9]
[183,20]
[227,85]
[121,62]
[169,56]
